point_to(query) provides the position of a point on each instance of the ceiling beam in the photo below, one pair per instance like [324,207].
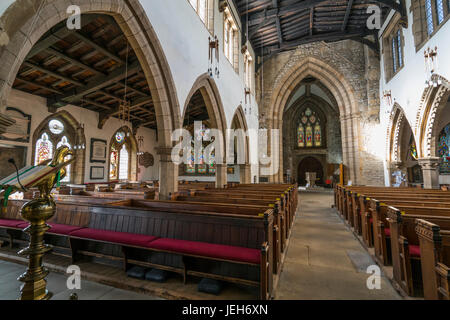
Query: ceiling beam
[96,84]
[56,36]
[347,15]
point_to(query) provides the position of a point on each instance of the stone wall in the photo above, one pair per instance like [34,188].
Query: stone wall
[359,68]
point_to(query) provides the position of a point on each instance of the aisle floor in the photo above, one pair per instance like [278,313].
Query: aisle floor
[324,259]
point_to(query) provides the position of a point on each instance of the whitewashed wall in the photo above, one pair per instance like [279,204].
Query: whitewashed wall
[184,40]
[37,108]
[408,85]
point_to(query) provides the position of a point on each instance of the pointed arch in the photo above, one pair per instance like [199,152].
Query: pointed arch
[344,95]
[74,133]
[397,124]
[25,22]
[433,102]
[210,93]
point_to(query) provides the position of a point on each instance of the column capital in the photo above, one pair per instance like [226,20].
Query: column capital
[430,163]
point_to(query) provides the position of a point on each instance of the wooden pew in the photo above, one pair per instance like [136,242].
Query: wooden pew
[166,221]
[434,238]
[278,246]
[406,255]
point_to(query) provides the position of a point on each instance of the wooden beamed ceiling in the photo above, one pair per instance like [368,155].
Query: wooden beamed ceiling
[196,110]
[88,68]
[280,25]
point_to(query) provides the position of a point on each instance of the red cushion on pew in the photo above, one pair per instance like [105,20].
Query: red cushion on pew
[387,232]
[131,239]
[62,229]
[10,223]
[210,250]
[414,251]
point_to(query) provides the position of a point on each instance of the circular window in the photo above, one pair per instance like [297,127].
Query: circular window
[120,137]
[56,126]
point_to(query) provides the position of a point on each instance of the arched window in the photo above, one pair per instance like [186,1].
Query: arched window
[61,129]
[44,149]
[309,130]
[123,163]
[65,142]
[120,157]
[443,150]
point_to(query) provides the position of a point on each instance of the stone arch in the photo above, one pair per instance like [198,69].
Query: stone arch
[76,133]
[397,123]
[397,147]
[434,100]
[239,122]
[132,145]
[25,24]
[344,95]
[210,93]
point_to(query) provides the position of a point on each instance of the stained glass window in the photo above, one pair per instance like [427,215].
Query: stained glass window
[301,136]
[56,126]
[190,166]
[394,55]
[443,150]
[202,168]
[440,11]
[399,49]
[318,135]
[65,142]
[123,163]
[309,136]
[114,160]
[429,16]
[120,137]
[44,149]
[309,130]
[212,164]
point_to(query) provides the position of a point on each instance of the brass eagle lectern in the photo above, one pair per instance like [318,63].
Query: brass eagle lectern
[37,212]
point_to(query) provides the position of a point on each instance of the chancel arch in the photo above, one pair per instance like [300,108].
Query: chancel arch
[204,105]
[311,129]
[42,65]
[61,129]
[346,105]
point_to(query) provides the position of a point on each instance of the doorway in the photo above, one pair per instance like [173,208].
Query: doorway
[310,164]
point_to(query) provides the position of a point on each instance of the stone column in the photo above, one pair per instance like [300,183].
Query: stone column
[245,173]
[430,170]
[168,173]
[221,176]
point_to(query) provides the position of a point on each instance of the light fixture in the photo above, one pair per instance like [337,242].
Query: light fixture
[140,145]
[79,144]
[387,96]
[213,52]
[431,67]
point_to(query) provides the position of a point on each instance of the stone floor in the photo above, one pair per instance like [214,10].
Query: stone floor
[324,259]
[56,283]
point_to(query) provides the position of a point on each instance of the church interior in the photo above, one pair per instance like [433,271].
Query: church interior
[224,150]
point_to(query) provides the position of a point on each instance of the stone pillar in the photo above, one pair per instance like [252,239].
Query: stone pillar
[221,176]
[168,174]
[245,173]
[430,170]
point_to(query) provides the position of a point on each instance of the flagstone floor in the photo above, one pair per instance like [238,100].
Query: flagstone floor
[324,259]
